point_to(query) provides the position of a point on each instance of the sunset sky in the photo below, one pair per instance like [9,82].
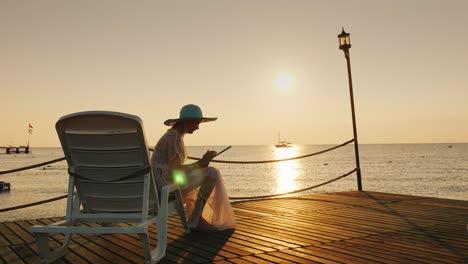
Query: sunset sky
[261,67]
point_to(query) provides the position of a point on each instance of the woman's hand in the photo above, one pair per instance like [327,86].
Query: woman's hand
[207,157]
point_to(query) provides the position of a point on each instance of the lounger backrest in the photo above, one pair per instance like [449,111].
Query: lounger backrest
[107,155]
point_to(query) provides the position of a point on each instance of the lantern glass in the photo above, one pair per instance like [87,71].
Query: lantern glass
[344,40]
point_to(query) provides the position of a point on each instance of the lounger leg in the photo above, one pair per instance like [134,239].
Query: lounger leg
[161,225]
[45,254]
[43,246]
[66,240]
[146,247]
[155,255]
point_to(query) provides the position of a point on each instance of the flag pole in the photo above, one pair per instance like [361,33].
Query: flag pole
[30,128]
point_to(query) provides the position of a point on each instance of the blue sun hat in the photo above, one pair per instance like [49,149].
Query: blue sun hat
[190,112]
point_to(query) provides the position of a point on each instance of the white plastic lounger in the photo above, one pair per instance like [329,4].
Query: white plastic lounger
[110,181]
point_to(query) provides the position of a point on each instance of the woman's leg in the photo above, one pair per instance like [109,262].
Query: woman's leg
[210,178]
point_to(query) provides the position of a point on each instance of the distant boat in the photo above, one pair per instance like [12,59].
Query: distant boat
[282,144]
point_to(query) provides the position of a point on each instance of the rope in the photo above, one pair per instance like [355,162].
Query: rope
[296,191]
[32,166]
[32,204]
[136,174]
[278,160]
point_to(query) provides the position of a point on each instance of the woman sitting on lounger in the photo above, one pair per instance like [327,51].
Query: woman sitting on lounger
[204,194]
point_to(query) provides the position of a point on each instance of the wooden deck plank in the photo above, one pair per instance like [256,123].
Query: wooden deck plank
[207,248]
[306,228]
[255,259]
[306,258]
[347,227]
[197,242]
[283,235]
[15,228]
[248,233]
[434,244]
[364,254]
[222,262]
[3,240]
[25,253]
[10,237]
[238,261]
[412,256]
[329,254]
[296,257]
[8,255]
[272,259]
[413,248]
[382,253]
[217,245]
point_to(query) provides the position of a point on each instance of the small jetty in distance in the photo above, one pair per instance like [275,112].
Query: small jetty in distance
[24,149]
[16,150]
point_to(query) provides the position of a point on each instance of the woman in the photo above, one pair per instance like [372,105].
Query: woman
[206,199]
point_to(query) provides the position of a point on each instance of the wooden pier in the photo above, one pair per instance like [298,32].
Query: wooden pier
[345,227]
[16,150]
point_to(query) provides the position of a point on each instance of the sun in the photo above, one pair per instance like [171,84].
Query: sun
[284,80]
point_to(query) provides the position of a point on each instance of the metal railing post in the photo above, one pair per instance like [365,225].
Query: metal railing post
[356,144]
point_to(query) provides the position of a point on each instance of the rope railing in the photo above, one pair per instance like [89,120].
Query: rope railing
[194,158]
[33,204]
[32,166]
[296,191]
[279,160]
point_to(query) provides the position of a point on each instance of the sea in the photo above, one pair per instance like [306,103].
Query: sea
[433,170]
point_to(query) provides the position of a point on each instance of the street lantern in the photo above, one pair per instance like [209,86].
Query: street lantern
[345,44]
[344,40]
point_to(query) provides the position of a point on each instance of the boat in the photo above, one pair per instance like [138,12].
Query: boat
[282,144]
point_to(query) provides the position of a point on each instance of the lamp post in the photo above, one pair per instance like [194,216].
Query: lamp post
[345,45]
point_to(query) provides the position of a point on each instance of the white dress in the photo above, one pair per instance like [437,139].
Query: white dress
[217,213]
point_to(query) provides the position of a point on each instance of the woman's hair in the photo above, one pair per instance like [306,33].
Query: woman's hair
[179,125]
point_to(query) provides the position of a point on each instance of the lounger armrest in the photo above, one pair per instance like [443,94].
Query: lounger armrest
[171,187]
[170,195]
[170,191]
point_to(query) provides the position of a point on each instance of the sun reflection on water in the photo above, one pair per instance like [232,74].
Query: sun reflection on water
[286,170]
